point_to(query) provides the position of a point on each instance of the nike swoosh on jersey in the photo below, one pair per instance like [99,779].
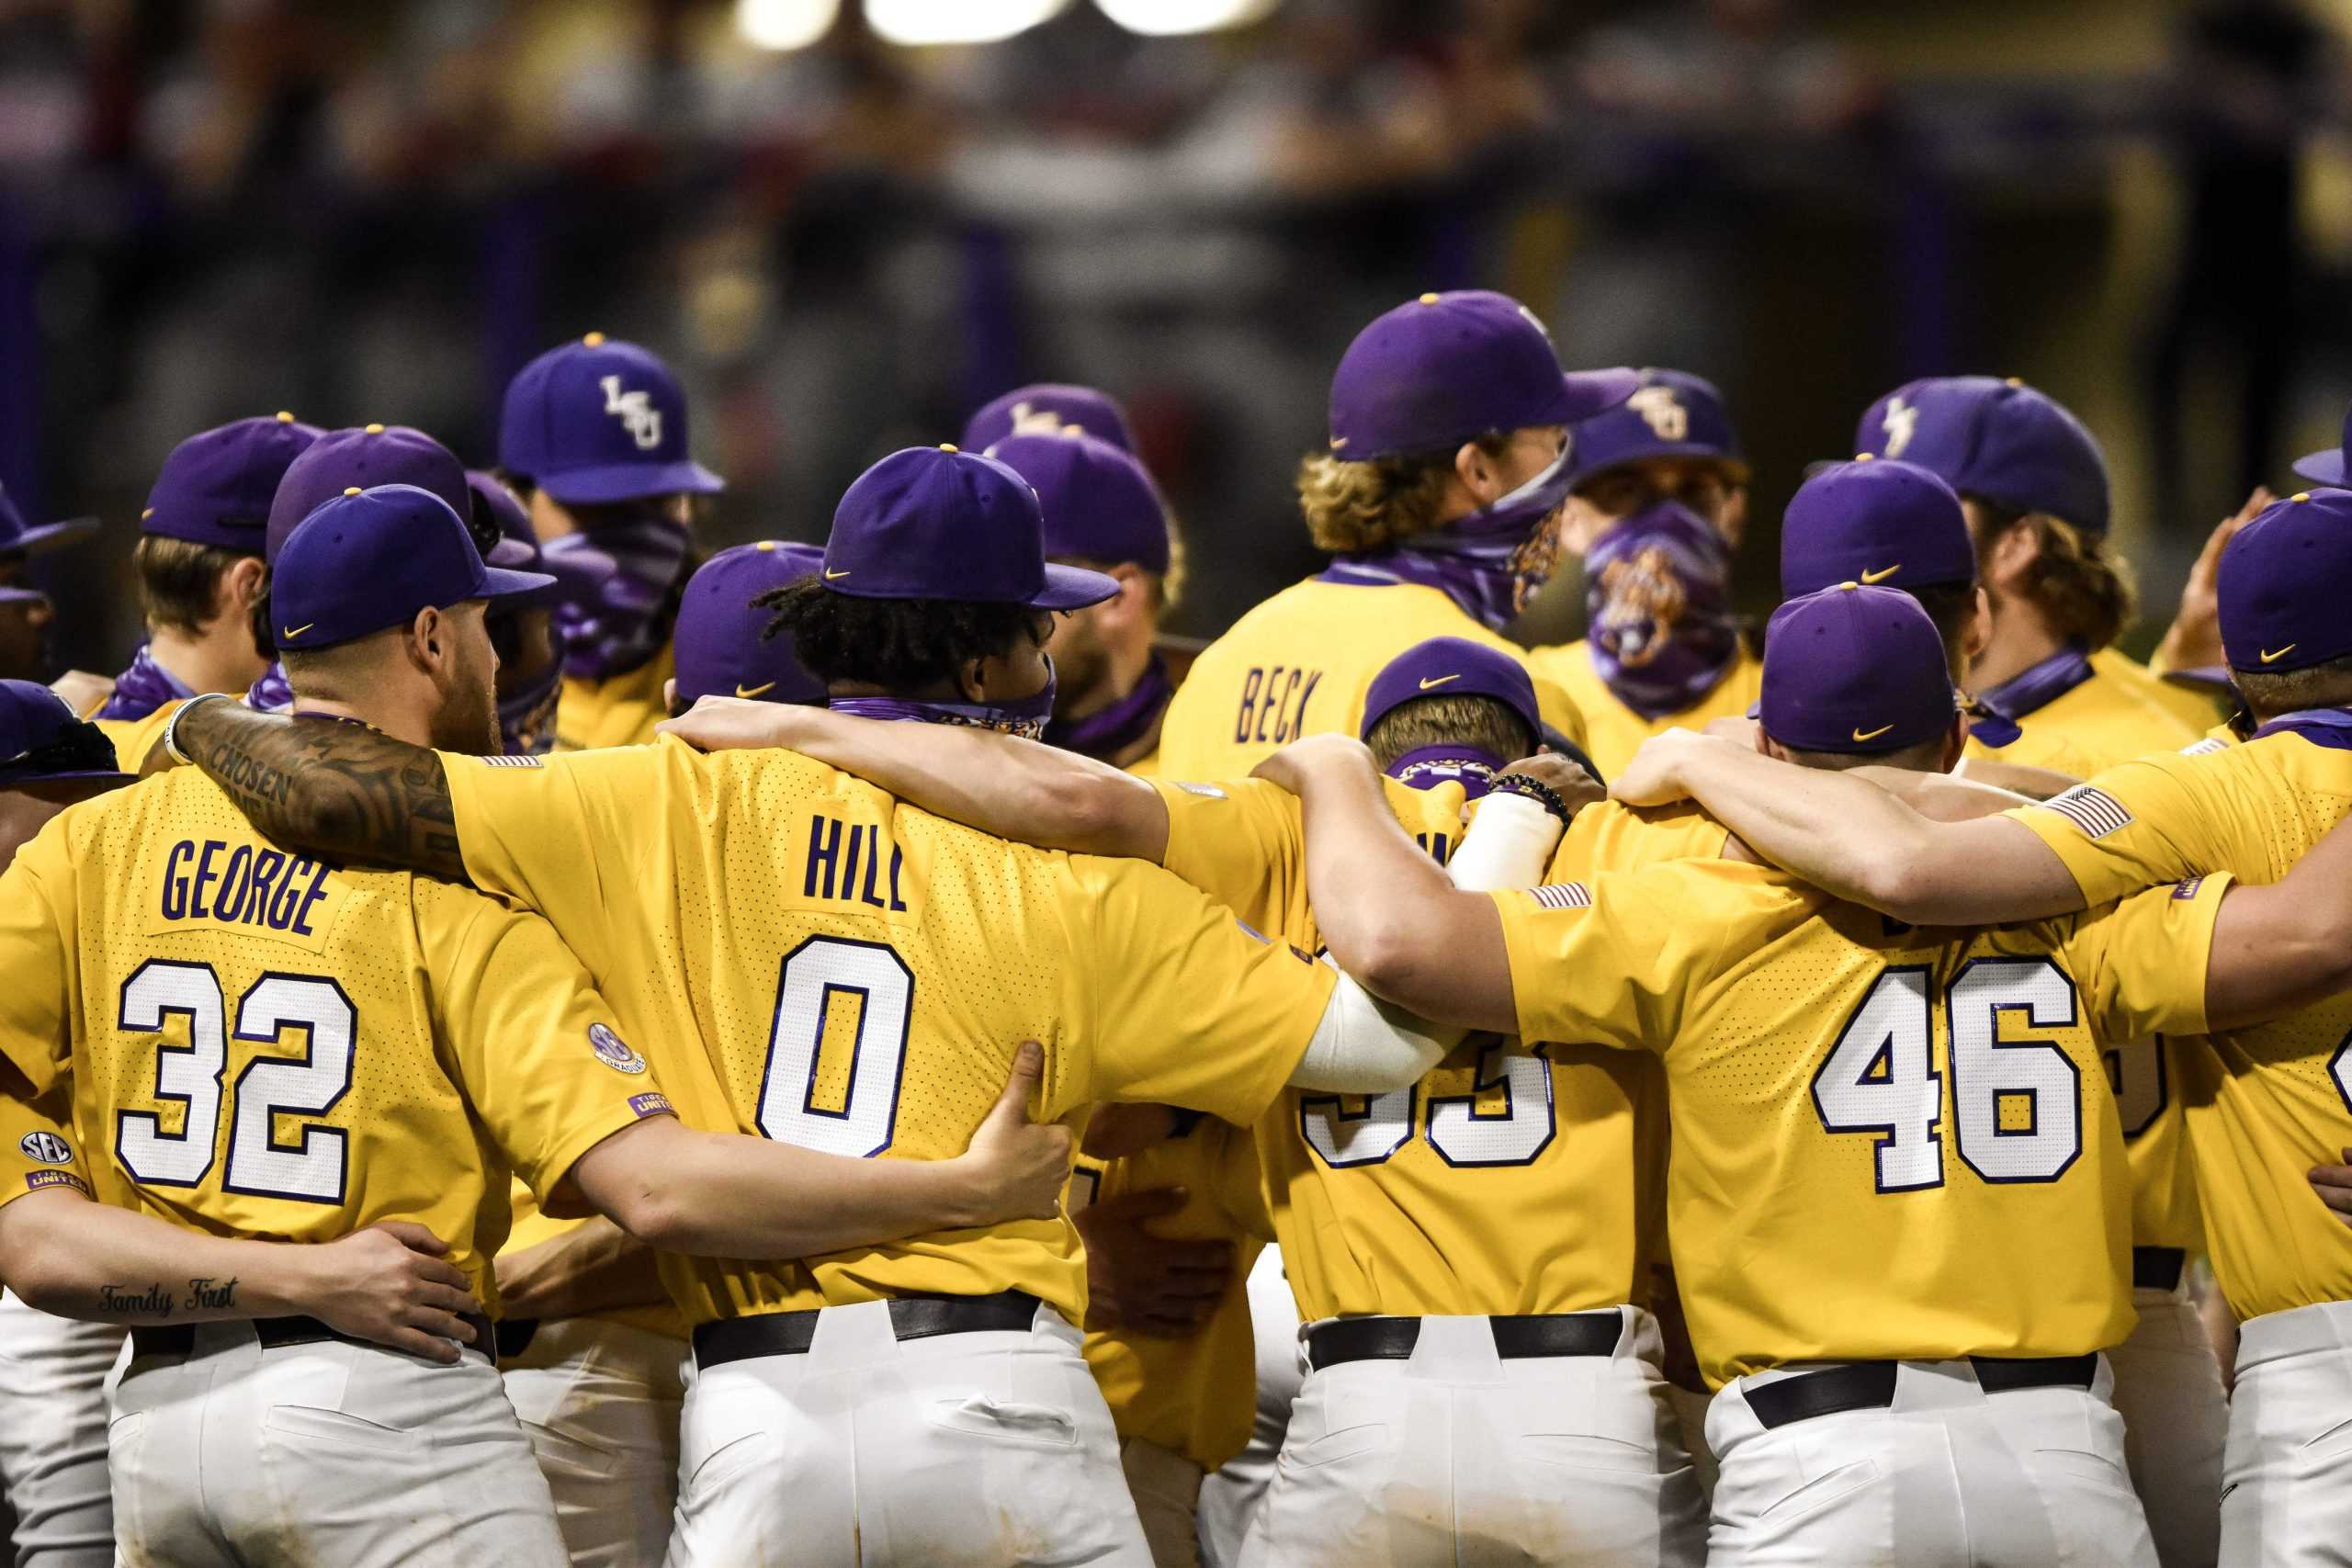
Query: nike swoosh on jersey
[1875,733]
[1881,576]
[2270,658]
[755,691]
[1438,681]
[290,633]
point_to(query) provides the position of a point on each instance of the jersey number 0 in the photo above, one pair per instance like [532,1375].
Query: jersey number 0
[813,973]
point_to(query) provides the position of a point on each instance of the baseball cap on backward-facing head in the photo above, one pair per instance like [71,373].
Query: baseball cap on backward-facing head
[722,648]
[1852,669]
[1049,408]
[936,522]
[1452,667]
[1874,523]
[362,563]
[42,738]
[2285,578]
[1447,369]
[362,457]
[1998,439]
[1097,501]
[498,514]
[597,420]
[217,487]
[1671,414]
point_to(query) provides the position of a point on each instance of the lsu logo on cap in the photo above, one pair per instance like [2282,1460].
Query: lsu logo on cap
[1668,418]
[45,1147]
[613,1051]
[634,411]
[1900,422]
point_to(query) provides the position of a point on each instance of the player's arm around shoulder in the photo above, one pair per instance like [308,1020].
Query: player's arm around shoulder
[2282,948]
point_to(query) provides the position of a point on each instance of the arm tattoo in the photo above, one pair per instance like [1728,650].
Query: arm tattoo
[160,1302]
[341,792]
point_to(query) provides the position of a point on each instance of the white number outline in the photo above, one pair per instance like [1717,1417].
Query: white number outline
[316,1141]
[1890,1135]
[866,1018]
[144,1129]
[2112,1058]
[1502,1064]
[1419,1117]
[1995,1044]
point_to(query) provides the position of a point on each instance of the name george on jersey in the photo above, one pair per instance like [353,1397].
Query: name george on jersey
[1273,704]
[263,887]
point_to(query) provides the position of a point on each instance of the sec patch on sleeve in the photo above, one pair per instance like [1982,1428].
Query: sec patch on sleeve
[45,1147]
[613,1051]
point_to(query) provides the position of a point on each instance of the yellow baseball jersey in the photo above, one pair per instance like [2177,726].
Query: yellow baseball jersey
[1300,664]
[135,737]
[858,974]
[1511,1178]
[1606,836]
[264,1046]
[36,1148]
[2194,706]
[1196,1395]
[2265,1104]
[1889,1143]
[620,710]
[2105,720]
[1613,732]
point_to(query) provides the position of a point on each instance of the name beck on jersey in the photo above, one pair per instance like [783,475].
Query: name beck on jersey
[1278,695]
[253,887]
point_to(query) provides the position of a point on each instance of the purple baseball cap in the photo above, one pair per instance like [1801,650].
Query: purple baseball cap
[498,516]
[1872,523]
[1448,367]
[1855,668]
[18,537]
[599,420]
[2327,466]
[2285,580]
[33,720]
[363,457]
[1098,502]
[936,522]
[1049,408]
[1994,438]
[1452,667]
[720,647]
[1671,414]
[363,562]
[215,488]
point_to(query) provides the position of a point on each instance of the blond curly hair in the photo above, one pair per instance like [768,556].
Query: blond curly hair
[1354,508]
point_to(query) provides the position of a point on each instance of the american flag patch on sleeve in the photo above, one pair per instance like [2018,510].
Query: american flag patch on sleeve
[2206,746]
[1563,896]
[504,762]
[2094,811]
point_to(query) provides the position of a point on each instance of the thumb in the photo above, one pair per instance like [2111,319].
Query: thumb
[415,1237]
[1028,1078]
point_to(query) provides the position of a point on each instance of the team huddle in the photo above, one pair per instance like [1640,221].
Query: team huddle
[523,1044]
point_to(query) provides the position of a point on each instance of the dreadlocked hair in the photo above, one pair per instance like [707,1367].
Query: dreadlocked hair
[1352,508]
[900,645]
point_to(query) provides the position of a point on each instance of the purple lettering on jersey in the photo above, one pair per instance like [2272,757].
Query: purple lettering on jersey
[176,881]
[230,905]
[1270,706]
[1249,684]
[205,876]
[37,1179]
[2188,890]
[318,890]
[651,1104]
[268,867]
[1306,695]
[825,851]
[868,894]
[898,859]
[281,902]
[849,861]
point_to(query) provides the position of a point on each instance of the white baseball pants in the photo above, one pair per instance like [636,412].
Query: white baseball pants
[1456,1456]
[1950,1476]
[599,1402]
[2286,1477]
[2176,1418]
[321,1452]
[866,1451]
[53,1435]
[1229,1498]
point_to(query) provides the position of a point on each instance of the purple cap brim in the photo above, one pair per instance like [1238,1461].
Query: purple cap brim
[12,594]
[2202,678]
[1584,394]
[497,583]
[2326,467]
[1073,588]
[1738,466]
[50,535]
[630,482]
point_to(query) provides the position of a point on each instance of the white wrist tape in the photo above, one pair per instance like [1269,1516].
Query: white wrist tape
[1509,842]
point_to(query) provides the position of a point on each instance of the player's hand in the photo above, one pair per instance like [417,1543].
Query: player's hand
[1564,776]
[1115,1132]
[391,1283]
[1655,775]
[1017,1167]
[2193,641]
[1290,766]
[1147,1283]
[733,724]
[2333,1185]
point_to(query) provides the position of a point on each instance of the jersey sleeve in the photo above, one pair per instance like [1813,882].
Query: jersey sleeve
[1244,844]
[36,911]
[1596,961]
[37,1150]
[1184,1004]
[2132,827]
[534,1044]
[2141,965]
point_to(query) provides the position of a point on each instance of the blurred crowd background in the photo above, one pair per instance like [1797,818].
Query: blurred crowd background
[847,223]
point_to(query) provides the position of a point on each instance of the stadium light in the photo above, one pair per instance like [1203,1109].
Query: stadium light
[1162,18]
[785,24]
[957,21]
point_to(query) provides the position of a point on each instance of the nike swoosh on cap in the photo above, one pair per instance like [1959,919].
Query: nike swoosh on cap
[1438,681]
[1881,576]
[2270,658]
[1875,733]
[832,576]
[290,633]
[755,691]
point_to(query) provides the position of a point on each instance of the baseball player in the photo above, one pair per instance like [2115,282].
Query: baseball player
[1439,499]
[2262,1106]
[201,578]
[723,646]
[522,630]
[1898,1182]
[919,1401]
[25,611]
[593,435]
[1231,1497]
[1049,408]
[442,1037]
[1111,687]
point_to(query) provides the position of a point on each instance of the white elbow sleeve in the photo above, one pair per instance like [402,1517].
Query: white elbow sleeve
[1510,843]
[1363,1046]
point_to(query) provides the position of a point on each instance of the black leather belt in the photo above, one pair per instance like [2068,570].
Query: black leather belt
[2157,1267]
[912,1317]
[179,1338]
[1869,1385]
[1516,1338]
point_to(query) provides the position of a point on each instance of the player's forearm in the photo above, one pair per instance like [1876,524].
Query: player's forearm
[71,1258]
[593,1267]
[326,788]
[2282,948]
[1847,836]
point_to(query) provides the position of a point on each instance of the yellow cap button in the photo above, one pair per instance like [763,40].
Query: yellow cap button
[351,490]
[374,429]
[947,447]
[1864,457]
[764,545]
[285,416]
[2014,380]
[2300,495]
[1849,588]
[1429,299]
[594,340]
[146,514]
